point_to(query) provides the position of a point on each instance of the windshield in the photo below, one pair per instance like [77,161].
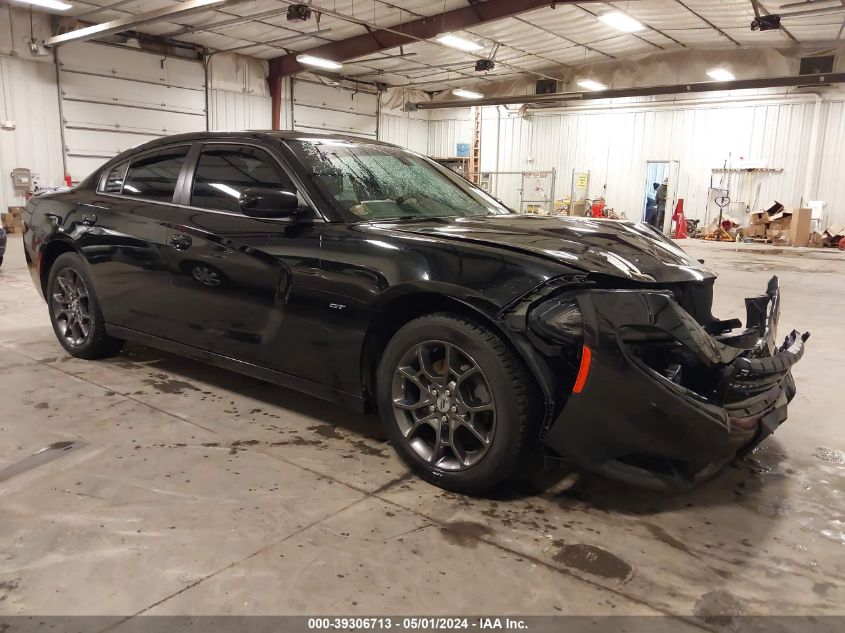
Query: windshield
[380,182]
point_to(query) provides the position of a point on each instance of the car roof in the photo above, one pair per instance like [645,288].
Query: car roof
[283,135]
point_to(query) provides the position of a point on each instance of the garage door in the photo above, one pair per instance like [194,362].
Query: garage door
[114,98]
[321,108]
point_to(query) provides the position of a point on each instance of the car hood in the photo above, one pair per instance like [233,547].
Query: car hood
[630,250]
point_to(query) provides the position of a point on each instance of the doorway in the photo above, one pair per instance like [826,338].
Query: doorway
[658,205]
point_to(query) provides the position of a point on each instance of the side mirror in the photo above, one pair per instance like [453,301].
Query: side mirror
[268,203]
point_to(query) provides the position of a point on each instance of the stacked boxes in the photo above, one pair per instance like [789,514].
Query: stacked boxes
[12,221]
[780,226]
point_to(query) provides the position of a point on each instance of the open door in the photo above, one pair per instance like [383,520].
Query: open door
[672,193]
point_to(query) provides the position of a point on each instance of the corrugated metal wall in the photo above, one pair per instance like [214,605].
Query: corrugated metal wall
[238,111]
[406,131]
[615,146]
[29,98]
[830,183]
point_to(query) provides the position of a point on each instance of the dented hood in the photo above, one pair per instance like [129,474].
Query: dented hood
[630,250]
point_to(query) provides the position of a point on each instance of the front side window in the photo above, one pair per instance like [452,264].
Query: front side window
[154,176]
[223,174]
[380,182]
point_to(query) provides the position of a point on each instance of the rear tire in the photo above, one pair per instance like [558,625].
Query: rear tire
[456,403]
[74,311]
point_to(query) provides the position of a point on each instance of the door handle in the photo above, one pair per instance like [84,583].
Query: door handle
[181,242]
[89,219]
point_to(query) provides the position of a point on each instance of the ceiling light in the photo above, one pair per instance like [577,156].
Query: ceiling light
[49,4]
[319,62]
[720,74]
[591,84]
[467,94]
[621,22]
[460,43]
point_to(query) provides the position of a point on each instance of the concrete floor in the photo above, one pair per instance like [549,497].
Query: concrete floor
[190,490]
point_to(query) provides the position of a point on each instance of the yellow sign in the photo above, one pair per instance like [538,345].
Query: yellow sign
[581,181]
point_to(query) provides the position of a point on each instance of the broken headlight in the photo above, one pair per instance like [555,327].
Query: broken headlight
[558,320]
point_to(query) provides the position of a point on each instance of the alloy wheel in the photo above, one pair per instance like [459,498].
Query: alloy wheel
[443,405]
[206,276]
[71,303]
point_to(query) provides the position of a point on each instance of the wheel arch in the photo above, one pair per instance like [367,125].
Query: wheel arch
[402,309]
[49,254]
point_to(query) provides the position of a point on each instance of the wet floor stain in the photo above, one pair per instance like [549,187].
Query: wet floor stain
[593,560]
[821,588]
[464,533]
[719,608]
[329,431]
[7,587]
[165,384]
[830,455]
[39,458]
[664,537]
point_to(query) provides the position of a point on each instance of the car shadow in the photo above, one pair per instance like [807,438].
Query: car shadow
[365,425]
[759,475]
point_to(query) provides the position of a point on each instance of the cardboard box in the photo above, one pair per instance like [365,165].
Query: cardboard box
[799,227]
[759,217]
[11,222]
[834,230]
[755,231]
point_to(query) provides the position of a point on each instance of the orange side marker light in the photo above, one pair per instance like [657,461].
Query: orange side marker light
[583,370]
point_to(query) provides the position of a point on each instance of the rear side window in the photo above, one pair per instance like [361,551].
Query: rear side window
[114,179]
[154,176]
[224,172]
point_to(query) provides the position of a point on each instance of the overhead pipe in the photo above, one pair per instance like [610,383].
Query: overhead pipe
[646,91]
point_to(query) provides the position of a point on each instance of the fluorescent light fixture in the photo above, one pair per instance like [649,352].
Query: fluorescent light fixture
[720,74]
[48,4]
[621,21]
[467,94]
[591,84]
[226,189]
[458,42]
[318,62]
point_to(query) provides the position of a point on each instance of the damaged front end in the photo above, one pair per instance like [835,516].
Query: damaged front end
[662,398]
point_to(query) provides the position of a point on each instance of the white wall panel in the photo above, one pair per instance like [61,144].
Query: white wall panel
[614,145]
[30,99]
[411,133]
[445,134]
[238,111]
[830,175]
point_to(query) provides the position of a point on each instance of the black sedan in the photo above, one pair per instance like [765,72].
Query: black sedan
[2,244]
[369,275]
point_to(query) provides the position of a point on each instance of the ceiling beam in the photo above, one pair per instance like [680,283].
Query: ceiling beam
[407,32]
[708,23]
[132,21]
[646,91]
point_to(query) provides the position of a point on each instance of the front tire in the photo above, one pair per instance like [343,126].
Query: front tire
[456,403]
[74,311]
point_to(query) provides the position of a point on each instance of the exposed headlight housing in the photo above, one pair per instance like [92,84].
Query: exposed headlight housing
[558,320]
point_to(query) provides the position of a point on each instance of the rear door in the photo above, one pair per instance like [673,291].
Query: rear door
[244,287]
[122,233]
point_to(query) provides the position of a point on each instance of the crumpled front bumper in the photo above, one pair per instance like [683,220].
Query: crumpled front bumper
[671,428]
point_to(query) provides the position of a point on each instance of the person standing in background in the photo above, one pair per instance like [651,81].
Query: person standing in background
[660,195]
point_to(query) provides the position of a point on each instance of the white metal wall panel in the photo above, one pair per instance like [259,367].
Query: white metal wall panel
[614,145]
[445,134]
[404,131]
[239,111]
[830,185]
[30,98]
[114,98]
[320,108]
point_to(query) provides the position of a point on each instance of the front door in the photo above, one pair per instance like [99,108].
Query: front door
[243,287]
[123,236]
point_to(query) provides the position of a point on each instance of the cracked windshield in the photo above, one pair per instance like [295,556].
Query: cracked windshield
[375,182]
